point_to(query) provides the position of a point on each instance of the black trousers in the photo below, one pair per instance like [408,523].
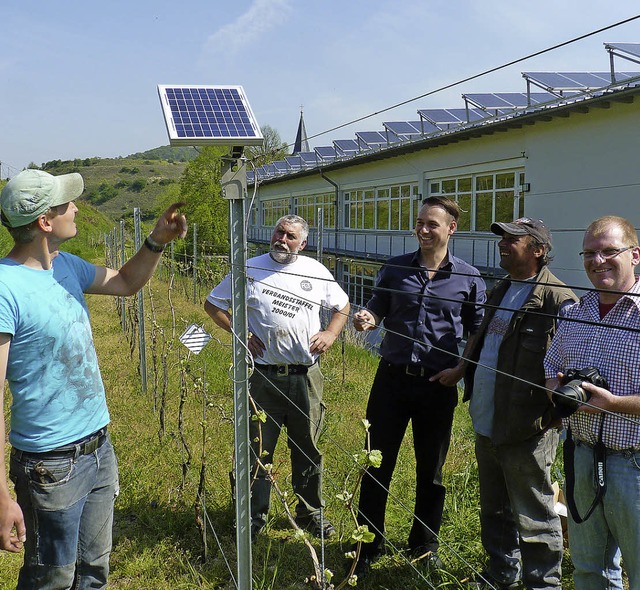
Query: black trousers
[395,399]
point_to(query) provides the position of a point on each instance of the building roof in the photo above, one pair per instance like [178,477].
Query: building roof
[486,113]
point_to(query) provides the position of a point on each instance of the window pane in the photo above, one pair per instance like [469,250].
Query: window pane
[368,215]
[484,183]
[382,221]
[505,180]
[449,186]
[521,206]
[504,206]
[483,212]
[464,185]
[464,223]
[395,214]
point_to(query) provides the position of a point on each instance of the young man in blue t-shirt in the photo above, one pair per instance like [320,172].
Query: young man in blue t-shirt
[62,463]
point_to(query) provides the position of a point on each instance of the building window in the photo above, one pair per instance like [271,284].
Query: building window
[381,208]
[307,207]
[274,210]
[483,198]
[359,280]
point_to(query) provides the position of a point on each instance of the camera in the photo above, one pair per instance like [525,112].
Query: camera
[570,394]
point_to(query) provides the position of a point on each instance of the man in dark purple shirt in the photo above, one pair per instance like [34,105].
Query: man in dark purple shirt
[426,299]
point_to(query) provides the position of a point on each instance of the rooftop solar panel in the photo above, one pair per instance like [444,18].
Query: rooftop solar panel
[630,48]
[281,166]
[308,158]
[347,146]
[452,116]
[507,101]
[208,115]
[326,152]
[407,128]
[294,162]
[372,138]
[561,81]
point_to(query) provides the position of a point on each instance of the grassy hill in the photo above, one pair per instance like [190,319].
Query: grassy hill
[114,186]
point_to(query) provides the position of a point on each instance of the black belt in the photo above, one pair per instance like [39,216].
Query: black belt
[84,446]
[284,370]
[411,370]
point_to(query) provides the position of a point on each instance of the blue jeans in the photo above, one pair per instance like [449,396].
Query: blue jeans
[67,504]
[613,528]
[521,531]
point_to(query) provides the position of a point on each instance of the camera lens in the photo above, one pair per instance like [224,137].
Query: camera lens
[569,396]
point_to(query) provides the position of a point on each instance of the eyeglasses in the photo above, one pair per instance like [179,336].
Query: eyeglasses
[605,254]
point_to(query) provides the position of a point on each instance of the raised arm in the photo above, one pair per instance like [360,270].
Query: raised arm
[135,273]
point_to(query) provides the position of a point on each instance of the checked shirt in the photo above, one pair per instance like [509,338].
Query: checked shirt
[612,348]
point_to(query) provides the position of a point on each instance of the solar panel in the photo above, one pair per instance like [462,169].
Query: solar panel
[630,48]
[452,116]
[406,128]
[369,139]
[326,153]
[208,115]
[561,81]
[281,166]
[347,146]
[507,101]
[308,158]
[294,162]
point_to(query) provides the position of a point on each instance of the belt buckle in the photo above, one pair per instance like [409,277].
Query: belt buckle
[91,445]
[282,370]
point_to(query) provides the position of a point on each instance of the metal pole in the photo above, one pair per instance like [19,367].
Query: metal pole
[123,301]
[141,338]
[320,225]
[234,188]
[195,263]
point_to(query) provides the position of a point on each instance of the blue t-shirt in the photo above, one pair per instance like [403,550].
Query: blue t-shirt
[53,374]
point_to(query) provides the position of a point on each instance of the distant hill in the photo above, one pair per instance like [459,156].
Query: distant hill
[167,152]
[115,186]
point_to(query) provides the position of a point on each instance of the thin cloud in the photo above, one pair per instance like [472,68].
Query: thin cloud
[262,16]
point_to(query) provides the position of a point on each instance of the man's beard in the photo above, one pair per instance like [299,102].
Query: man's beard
[280,253]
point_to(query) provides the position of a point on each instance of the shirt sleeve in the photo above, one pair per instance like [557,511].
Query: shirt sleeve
[473,311]
[379,302]
[85,271]
[553,358]
[220,295]
[8,311]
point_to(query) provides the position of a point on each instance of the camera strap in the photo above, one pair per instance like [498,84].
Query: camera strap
[599,468]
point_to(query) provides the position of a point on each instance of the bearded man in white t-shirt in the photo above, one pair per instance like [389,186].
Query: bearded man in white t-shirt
[285,294]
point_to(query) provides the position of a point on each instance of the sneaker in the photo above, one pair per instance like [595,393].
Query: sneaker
[315,526]
[485,581]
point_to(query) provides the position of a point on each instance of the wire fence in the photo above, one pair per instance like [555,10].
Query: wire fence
[193,274]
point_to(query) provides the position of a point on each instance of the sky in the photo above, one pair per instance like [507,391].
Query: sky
[79,79]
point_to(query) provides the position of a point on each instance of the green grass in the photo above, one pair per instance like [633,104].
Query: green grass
[157,544]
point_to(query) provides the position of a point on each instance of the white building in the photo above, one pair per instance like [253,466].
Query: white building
[566,151]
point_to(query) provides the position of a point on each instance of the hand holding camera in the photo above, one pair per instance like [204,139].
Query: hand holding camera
[571,394]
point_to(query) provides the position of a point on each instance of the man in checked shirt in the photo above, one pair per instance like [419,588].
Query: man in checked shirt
[610,254]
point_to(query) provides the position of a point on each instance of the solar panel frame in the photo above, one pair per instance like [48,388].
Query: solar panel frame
[208,115]
[347,146]
[576,81]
